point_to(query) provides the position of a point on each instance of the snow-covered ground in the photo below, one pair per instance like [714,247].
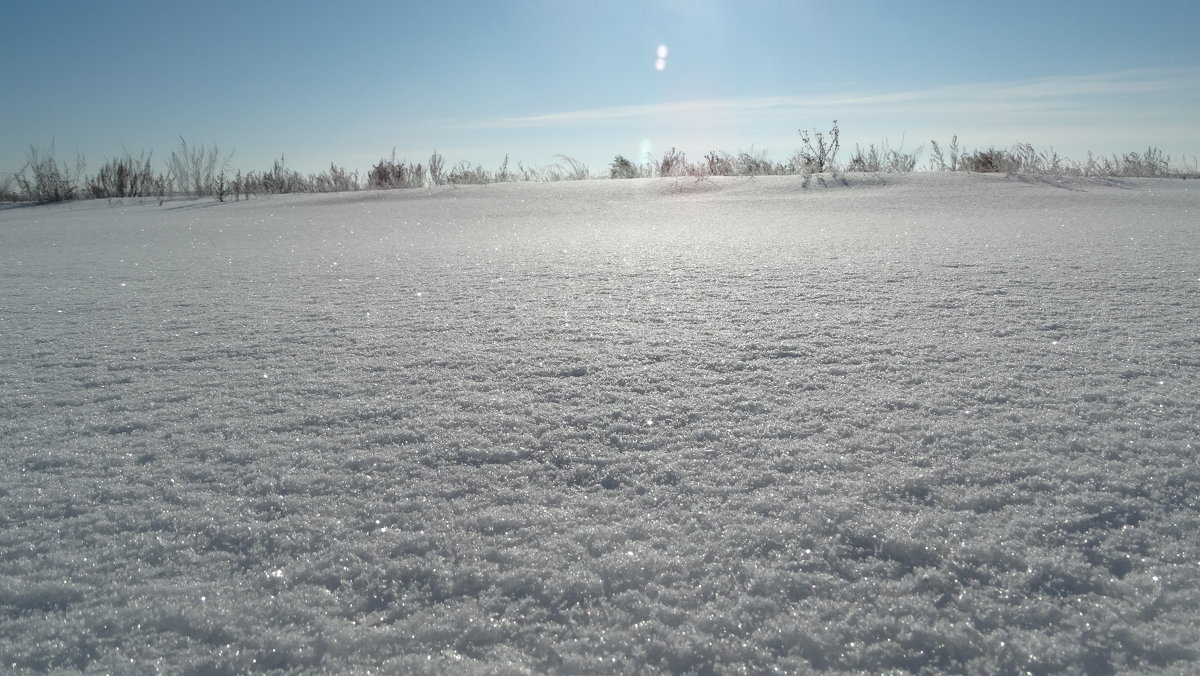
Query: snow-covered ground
[938,421]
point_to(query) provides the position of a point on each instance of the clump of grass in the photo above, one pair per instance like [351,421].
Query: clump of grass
[937,161]
[719,163]
[883,159]
[464,173]
[673,163]
[194,169]
[569,169]
[1023,158]
[1153,163]
[503,174]
[749,163]
[622,168]
[123,177]
[43,180]
[278,180]
[337,179]
[390,173]
[437,165]
[525,173]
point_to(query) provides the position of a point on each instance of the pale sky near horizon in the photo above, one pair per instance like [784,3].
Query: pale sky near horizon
[347,82]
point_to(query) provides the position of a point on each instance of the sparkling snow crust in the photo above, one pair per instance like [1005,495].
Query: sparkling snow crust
[935,421]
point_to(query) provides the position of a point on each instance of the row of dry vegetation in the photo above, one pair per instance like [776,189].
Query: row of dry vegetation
[198,171]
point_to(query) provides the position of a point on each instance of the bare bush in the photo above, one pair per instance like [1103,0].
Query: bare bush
[1151,164]
[123,177]
[719,163]
[221,187]
[393,173]
[337,179]
[1023,158]
[198,171]
[819,152]
[937,161]
[195,168]
[992,160]
[465,174]
[278,180]
[673,163]
[504,174]
[869,161]
[437,165]
[7,192]
[162,185]
[44,180]
[883,159]
[755,164]
[622,168]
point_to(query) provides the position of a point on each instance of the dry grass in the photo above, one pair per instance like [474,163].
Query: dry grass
[884,159]
[44,180]
[1023,158]
[197,171]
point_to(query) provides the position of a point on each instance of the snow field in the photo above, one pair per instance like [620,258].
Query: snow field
[941,422]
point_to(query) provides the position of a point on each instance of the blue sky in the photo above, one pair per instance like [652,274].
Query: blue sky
[349,81]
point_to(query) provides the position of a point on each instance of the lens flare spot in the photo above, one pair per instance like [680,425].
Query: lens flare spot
[646,148]
[660,64]
[662,51]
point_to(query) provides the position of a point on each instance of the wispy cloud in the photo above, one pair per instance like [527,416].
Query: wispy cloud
[1048,95]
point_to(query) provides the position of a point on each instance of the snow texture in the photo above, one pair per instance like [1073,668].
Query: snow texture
[938,422]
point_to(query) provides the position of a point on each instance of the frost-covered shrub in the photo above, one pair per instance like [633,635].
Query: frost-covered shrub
[336,179]
[7,193]
[883,158]
[719,163]
[437,165]
[504,174]
[673,163]
[1152,163]
[123,177]
[991,160]
[193,169]
[819,152]
[938,161]
[465,174]
[622,168]
[44,180]
[278,180]
[393,173]
[749,163]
